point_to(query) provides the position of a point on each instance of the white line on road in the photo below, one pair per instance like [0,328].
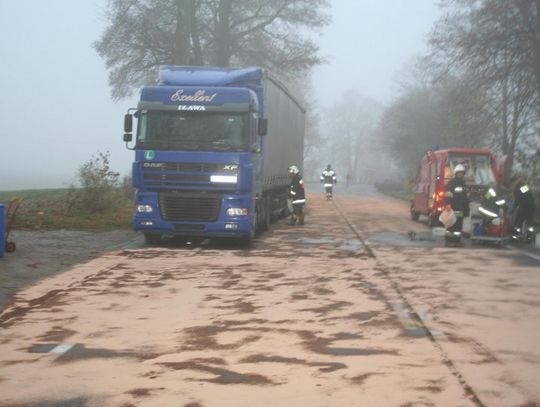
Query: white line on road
[62,348]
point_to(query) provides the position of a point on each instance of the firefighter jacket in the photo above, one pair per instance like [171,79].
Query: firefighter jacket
[328,177]
[523,196]
[492,202]
[297,191]
[456,196]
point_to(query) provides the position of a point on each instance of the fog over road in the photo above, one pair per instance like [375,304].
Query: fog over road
[344,311]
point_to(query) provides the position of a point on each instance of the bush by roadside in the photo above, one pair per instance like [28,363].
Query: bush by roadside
[50,209]
[100,201]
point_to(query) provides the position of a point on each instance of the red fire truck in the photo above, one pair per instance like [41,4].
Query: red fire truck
[437,168]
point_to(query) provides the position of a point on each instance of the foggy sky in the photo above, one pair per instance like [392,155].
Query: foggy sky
[56,111]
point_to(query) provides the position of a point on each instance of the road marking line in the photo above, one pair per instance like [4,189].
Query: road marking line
[410,320]
[423,316]
[62,348]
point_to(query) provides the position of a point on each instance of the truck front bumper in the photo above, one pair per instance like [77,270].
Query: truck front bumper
[234,227]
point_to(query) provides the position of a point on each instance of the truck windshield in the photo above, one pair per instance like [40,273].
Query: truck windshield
[204,131]
[478,169]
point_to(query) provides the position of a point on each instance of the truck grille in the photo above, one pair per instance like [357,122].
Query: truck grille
[182,167]
[187,206]
[184,175]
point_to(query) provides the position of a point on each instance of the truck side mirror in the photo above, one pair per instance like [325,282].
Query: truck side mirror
[128,137]
[128,123]
[263,127]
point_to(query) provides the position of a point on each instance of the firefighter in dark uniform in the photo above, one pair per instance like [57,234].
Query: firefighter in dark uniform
[297,195]
[493,207]
[456,197]
[329,179]
[523,207]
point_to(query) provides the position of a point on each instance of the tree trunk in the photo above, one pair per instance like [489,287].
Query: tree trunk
[505,104]
[536,46]
[183,32]
[223,34]
[195,38]
[530,13]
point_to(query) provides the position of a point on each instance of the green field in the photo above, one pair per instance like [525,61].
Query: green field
[52,209]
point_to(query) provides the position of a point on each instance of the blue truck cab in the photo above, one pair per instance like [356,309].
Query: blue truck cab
[200,154]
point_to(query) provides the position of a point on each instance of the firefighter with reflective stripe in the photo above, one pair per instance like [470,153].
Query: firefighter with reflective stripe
[455,197]
[329,179]
[493,210]
[492,202]
[297,195]
[523,207]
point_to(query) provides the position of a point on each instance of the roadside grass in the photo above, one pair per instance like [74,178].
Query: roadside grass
[51,209]
[397,190]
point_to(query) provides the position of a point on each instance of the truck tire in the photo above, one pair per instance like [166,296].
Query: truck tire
[265,215]
[152,238]
[247,240]
[286,210]
[414,214]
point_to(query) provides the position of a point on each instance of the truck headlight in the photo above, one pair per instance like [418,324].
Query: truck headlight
[237,211]
[144,208]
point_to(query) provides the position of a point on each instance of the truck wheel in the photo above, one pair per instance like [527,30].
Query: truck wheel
[287,207]
[247,240]
[265,215]
[152,238]
[414,214]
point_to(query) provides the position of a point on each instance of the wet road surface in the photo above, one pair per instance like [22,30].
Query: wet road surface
[326,314]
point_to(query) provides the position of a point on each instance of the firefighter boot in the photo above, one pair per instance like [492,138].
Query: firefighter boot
[292,220]
[300,218]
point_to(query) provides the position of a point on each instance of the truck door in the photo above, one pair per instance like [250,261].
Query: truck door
[256,154]
[432,188]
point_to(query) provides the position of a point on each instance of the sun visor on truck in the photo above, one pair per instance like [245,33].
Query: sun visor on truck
[197,98]
[209,76]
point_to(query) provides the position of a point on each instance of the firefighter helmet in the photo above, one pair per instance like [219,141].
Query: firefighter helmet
[293,169]
[459,168]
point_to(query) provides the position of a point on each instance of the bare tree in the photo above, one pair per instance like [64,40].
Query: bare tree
[434,110]
[410,126]
[349,129]
[494,43]
[313,136]
[184,16]
[143,34]
[527,24]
